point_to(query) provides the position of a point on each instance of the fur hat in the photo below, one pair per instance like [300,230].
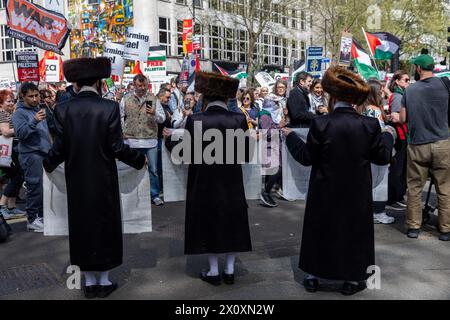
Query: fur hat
[345,85]
[87,68]
[216,85]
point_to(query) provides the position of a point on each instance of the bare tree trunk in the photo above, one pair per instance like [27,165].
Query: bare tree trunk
[250,60]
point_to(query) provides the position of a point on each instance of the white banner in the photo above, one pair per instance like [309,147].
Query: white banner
[295,175]
[115,52]
[51,70]
[137,45]
[134,195]
[175,179]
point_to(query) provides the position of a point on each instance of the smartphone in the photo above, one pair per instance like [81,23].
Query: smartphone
[149,104]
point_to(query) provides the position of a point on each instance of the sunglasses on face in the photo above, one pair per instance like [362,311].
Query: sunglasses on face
[407,80]
[278,88]
[247,99]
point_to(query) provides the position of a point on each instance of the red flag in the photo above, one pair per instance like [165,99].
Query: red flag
[197,63]
[137,68]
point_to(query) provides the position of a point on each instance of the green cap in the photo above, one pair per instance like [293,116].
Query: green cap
[424,61]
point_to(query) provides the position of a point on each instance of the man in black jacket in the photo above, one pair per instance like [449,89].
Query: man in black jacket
[298,102]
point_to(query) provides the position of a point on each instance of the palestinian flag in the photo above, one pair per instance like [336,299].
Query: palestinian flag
[363,63]
[383,45]
[443,74]
[237,74]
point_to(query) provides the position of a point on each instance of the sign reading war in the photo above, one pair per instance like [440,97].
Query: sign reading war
[36,25]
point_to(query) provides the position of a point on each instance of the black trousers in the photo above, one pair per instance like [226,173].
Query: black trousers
[271,180]
[15,175]
[397,176]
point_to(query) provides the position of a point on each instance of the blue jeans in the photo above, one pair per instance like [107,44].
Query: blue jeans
[152,156]
[31,164]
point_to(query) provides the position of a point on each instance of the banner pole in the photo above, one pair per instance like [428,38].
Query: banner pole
[370,51]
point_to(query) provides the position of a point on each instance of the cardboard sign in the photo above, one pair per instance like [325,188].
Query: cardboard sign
[156,66]
[115,52]
[27,66]
[52,71]
[187,36]
[196,43]
[265,79]
[345,54]
[5,83]
[137,45]
[37,26]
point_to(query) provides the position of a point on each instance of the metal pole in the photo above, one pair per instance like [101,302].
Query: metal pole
[193,16]
[326,37]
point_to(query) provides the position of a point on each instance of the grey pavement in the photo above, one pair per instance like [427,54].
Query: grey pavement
[34,267]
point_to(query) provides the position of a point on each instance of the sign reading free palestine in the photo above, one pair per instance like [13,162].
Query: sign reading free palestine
[156,68]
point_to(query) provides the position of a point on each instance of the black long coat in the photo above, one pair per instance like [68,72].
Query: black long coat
[338,232]
[89,139]
[299,106]
[216,207]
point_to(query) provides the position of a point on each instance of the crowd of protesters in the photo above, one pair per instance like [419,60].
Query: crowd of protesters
[28,120]
[353,126]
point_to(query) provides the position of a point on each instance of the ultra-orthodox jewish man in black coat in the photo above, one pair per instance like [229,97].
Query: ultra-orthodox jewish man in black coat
[89,140]
[216,207]
[338,232]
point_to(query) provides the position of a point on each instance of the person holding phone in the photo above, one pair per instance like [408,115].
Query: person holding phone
[180,115]
[31,129]
[141,116]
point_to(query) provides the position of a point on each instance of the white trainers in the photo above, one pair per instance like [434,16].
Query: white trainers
[382,218]
[12,214]
[158,202]
[37,225]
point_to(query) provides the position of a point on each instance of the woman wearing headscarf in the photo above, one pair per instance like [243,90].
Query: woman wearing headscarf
[338,230]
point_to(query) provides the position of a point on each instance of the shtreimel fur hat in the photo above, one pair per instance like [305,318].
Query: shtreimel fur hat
[216,85]
[345,85]
[87,68]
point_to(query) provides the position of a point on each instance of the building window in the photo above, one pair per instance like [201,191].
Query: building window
[214,4]
[180,38]
[216,42]
[229,44]
[302,50]
[164,34]
[303,20]
[9,46]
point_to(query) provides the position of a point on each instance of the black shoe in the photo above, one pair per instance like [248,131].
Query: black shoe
[311,285]
[397,206]
[214,280]
[444,236]
[90,292]
[228,278]
[349,289]
[413,233]
[105,291]
[268,200]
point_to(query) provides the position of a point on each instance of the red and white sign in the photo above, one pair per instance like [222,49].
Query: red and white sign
[27,66]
